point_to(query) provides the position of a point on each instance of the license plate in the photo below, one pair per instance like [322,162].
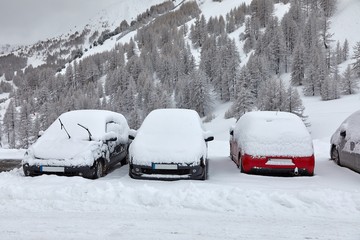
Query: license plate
[52,169]
[165,166]
[280,162]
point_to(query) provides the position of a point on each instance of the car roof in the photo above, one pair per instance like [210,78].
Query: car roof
[172,120]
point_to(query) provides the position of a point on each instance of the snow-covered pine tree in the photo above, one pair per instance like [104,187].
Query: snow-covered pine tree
[276,50]
[345,50]
[200,98]
[272,96]
[349,82]
[198,31]
[339,53]
[314,74]
[330,87]
[10,124]
[263,10]
[356,57]
[294,103]
[25,126]
[298,68]
[244,101]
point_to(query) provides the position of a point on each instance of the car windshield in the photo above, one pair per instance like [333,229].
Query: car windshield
[81,125]
[170,122]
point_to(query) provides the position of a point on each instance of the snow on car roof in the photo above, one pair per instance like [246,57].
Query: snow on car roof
[266,133]
[169,136]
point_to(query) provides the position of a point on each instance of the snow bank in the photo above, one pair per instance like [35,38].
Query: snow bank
[6,154]
[169,136]
[273,134]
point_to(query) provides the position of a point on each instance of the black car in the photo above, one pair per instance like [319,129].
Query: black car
[345,143]
[83,142]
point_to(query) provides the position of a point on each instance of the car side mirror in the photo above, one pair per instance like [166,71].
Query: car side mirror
[110,137]
[41,132]
[208,139]
[132,134]
[208,136]
[343,134]
[231,131]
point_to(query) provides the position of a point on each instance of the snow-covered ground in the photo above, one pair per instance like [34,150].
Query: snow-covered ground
[229,205]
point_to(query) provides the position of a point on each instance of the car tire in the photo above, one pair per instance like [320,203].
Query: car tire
[27,172]
[206,175]
[99,169]
[125,160]
[335,155]
[132,175]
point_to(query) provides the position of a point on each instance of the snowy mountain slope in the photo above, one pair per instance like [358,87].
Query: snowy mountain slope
[66,17]
[346,22]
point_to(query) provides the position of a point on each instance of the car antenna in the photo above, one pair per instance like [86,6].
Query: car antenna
[86,130]
[63,126]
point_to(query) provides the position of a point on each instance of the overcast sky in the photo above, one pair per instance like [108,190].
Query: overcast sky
[27,21]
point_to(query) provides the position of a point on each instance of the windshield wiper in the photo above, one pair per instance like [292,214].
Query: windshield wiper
[86,130]
[63,127]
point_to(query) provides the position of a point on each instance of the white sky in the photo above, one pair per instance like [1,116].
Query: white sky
[27,21]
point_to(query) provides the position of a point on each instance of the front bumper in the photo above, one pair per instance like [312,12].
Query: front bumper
[181,172]
[35,170]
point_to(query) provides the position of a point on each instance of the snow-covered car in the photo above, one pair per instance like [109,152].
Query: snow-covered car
[345,143]
[273,143]
[82,142]
[170,144]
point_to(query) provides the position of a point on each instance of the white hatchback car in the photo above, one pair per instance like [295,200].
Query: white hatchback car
[170,144]
[82,142]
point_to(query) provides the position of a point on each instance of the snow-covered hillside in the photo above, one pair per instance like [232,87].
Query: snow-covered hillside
[346,21]
[64,18]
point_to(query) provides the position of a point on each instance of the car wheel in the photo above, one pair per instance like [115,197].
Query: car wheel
[206,170]
[132,175]
[27,172]
[125,160]
[99,169]
[335,155]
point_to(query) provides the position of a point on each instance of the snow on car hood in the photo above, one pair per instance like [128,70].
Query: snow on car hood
[55,144]
[273,134]
[62,149]
[169,136]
